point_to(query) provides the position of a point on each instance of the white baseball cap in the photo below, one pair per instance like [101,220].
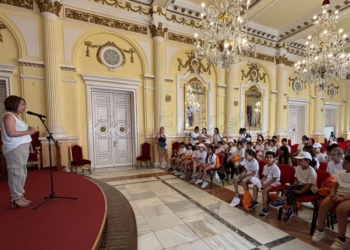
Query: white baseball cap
[317,145]
[230,140]
[304,155]
[224,139]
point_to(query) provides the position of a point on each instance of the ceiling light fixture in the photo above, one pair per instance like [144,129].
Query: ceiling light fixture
[325,56]
[223,41]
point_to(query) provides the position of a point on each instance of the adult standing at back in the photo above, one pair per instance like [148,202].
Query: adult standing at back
[162,147]
[16,143]
[194,136]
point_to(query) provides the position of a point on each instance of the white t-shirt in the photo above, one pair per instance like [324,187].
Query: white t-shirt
[317,163]
[194,135]
[189,152]
[212,160]
[273,149]
[232,152]
[289,149]
[343,179]
[216,138]
[320,157]
[333,168]
[259,147]
[224,146]
[219,150]
[272,172]
[182,150]
[307,176]
[202,156]
[195,153]
[251,166]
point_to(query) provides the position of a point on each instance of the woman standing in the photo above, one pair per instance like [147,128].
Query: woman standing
[161,140]
[216,136]
[16,142]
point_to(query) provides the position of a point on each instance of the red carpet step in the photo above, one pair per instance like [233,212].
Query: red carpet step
[58,224]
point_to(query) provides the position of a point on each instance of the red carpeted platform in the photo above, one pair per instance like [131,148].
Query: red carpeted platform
[58,224]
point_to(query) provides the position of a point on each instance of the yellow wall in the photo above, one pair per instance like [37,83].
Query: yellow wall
[73,95]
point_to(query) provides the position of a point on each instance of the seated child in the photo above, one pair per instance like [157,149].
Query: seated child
[237,159]
[314,163]
[219,148]
[186,156]
[251,169]
[339,198]
[273,146]
[201,157]
[336,163]
[261,154]
[284,156]
[319,156]
[210,163]
[305,183]
[270,179]
[259,145]
[284,142]
[185,162]
[178,154]
[249,145]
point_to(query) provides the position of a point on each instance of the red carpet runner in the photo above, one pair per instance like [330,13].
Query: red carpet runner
[58,224]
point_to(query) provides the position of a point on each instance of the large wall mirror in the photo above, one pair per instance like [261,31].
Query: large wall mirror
[195,105]
[253,108]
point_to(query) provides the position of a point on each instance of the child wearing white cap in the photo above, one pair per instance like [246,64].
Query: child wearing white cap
[305,183]
[319,156]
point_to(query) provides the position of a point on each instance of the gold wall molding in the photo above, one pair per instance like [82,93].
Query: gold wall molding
[105,21]
[89,45]
[34,64]
[181,38]
[193,63]
[175,19]
[157,30]
[68,68]
[2,27]
[265,57]
[253,73]
[27,4]
[49,6]
[126,6]
[284,60]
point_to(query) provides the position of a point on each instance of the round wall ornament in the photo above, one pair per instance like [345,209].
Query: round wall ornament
[111,56]
[297,86]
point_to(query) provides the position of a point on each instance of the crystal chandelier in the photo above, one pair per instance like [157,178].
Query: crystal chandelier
[223,40]
[325,56]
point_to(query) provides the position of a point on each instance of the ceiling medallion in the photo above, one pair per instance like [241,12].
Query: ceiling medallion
[224,41]
[325,57]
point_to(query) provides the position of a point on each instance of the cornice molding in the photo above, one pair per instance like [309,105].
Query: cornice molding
[32,77]
[27,4]
[181,38]
[7,69]
[284,60]
[128,6]
[31,63]
[148,77]
[158,30]
[49,6]
[105,21]
[2,27]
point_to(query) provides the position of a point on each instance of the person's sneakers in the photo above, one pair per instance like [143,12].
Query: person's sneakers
[174,171]
[178,173]
[264,212]
[318,235]
[252,205]
[289,214]
[217,178]
[235,201]
[204,185]
[182,176]
[277,204]
[338,244]
[193,180]
[198,181]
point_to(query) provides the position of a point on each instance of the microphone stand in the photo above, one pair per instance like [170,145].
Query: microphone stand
[53,194]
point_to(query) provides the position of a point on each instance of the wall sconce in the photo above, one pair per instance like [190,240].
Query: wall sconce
[284,106]
[235,103]
[168,98]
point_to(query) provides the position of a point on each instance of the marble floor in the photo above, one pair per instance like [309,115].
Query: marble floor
[171,213]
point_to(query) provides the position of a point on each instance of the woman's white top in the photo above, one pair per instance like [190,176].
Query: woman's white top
[10,143]
[217,138]
[343,179]
[259,147]
[194,135]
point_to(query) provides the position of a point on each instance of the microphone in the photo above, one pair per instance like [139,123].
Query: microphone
[38,115]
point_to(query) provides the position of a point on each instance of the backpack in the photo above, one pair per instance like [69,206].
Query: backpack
[326,187]
[246,199]
[217,164]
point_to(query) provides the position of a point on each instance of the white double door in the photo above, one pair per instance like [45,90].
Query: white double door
[112,129]
[296,123]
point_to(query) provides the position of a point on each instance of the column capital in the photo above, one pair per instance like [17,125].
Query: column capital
[51,6]
[281,60]
[2,27]
[158,30]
